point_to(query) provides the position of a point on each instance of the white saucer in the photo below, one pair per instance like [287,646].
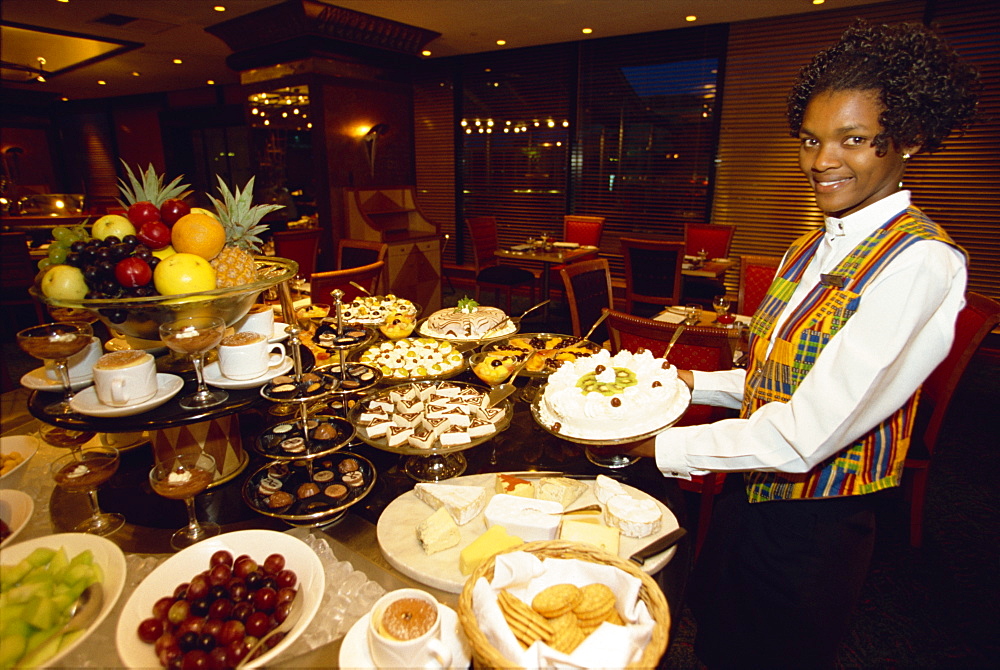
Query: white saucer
[86,402]
[279,334]
[214,376]
[37,380]
[354,651]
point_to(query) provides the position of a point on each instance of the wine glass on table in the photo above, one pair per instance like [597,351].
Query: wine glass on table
[56,342]
[720,304]
[195,336]
[82,471]
[182,477]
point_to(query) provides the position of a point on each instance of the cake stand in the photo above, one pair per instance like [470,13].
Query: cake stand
[599,457]
[438,462]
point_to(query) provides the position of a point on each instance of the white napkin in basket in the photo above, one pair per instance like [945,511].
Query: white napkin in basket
[524,575]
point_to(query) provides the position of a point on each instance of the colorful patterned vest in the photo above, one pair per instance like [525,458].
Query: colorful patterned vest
[875,461]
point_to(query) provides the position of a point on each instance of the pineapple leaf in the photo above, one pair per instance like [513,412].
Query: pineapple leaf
[240,217]
[150,188]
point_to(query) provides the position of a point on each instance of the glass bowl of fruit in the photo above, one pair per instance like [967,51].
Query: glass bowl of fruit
[162,260]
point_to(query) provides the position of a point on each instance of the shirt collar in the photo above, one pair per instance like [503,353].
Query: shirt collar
[868,219]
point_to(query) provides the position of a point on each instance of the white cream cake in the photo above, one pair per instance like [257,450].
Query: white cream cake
[468,322]
[610,397]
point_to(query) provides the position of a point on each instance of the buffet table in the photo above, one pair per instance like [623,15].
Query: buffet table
[150,519]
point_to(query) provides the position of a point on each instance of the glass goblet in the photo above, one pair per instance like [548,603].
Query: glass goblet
[195,336]
[182,477]
[56,342]
[64,438]
[608,457]
[82,471]
[721,305]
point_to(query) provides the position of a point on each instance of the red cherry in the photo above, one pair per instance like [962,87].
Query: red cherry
[133,271]
[142,212]
[173,209]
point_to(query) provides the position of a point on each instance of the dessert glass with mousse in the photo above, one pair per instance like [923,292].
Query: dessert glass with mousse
[56,342]
[182,477]
[82,471]
[195,336]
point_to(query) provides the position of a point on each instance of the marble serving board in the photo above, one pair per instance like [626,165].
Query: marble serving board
[397,535]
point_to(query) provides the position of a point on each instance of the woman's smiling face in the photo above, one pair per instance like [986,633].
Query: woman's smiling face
[837,155]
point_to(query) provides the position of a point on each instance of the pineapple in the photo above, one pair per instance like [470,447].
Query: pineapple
[149,189]
[235,265]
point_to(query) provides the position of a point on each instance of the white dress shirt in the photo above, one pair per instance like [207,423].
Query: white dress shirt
[903,328]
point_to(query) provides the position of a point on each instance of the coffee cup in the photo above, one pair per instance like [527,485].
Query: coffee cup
[260,319]
[248,355]
[405,631]
[80,364]
[125,377]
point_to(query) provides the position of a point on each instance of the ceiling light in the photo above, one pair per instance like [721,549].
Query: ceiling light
[425,52]
[818,2]
[135,74]
[101,82]
[177,61]
[500,43]
[219,8]
[587,31]
[691,17]
[210,82]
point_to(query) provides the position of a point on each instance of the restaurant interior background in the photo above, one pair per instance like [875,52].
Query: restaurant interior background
[649,128]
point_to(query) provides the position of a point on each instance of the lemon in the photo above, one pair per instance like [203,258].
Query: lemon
[183,273]
[164,252]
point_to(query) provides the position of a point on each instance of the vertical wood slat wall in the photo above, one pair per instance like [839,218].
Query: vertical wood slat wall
[757,185]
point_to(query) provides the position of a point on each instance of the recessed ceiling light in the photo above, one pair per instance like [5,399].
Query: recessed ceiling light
[500,43]
[177,61]
[135,74]
[219,8]
[425,52]
[587,31]
[818,2]
[210,82]
[101,82]
[691,17]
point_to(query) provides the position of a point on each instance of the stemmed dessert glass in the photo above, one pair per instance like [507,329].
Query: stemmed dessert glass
[720,304]
[56,342]
[82,471]
[182,477]
[196,336]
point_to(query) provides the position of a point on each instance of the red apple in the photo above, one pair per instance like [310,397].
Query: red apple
[173,209]
[154,235]
[143,212]
[133,271]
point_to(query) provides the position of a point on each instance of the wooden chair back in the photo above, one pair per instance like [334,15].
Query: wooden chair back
[652,272]
[588,293]
[756,275]
[321,284]
[483,235]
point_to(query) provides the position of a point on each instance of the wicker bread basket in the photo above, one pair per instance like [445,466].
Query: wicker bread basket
[485,655]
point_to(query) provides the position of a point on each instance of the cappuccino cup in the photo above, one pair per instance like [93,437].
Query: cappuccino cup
[405,631]
[248,355]
[260,319]
[79,364]
[125,377]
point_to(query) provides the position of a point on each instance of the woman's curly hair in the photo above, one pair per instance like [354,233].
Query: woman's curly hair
[925,89]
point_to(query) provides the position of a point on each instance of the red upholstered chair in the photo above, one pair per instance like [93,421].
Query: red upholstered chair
[583,230]
[589,293]
[322,283]
[711,238]
[652,273]
[489,272]
[302,246]
[979,316]
[705,348]
[355,253]
[756,275]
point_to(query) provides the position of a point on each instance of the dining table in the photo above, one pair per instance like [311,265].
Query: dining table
[710,268]
[556,255]
[352,537]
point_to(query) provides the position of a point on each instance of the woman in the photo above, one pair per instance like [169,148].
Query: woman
[858,315]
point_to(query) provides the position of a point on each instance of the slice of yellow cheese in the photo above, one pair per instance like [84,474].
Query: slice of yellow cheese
[490,543]
[591,531]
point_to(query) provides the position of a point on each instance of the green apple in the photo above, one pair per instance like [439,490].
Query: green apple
[64,282]
[112,224]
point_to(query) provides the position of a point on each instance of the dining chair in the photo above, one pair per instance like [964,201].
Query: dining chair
[589,293]
[301,245]
[489,272]
[699,348]
[355,253]
[321,284]
[652,274]
[976,320]
[583,230]
[756,275]
[17,274]
[712,238]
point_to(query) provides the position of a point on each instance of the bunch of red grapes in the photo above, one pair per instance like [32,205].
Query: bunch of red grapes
[211,622]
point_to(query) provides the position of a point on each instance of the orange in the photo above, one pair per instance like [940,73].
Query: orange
[198,234]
